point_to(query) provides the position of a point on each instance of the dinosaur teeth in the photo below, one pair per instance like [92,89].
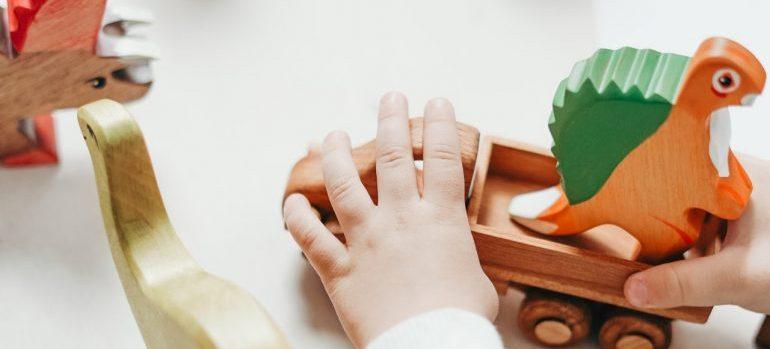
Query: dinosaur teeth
[126,17]
[123,34]
[719,141]
[125,47]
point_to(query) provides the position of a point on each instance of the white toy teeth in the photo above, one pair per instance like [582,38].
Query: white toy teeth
[126,47]
[123,35]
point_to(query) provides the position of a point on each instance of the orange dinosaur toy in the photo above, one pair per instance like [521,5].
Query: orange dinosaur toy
[642,140]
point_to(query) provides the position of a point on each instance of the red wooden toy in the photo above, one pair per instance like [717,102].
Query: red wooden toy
[58,54]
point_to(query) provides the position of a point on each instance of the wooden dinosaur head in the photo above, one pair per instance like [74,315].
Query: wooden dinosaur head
[66,53]
[47,81]
[722,73]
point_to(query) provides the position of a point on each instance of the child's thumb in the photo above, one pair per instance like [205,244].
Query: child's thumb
[703,281]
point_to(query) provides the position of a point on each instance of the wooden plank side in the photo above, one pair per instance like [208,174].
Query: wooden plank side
[523,161]
[479,179]
[514,256]
[565,269]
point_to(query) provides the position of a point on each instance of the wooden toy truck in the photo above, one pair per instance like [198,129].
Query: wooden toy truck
[570,282]
[643,142]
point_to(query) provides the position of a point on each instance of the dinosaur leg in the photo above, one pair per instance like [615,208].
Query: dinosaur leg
[670,235]
[547,212]
[33,142]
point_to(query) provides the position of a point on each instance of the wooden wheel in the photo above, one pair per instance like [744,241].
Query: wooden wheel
[626,329]
[553,319]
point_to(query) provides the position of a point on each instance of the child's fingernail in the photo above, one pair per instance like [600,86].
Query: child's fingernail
[637,292]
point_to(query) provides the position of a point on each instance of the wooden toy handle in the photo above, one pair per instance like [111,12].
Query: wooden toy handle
[307,178]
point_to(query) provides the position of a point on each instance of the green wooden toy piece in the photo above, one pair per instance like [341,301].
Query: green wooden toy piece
[607,106]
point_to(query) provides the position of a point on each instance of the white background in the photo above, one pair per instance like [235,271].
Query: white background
[243,86]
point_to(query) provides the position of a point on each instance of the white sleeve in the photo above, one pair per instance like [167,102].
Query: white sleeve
[447,328]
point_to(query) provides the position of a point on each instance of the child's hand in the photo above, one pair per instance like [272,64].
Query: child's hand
[409,253]
[738,274]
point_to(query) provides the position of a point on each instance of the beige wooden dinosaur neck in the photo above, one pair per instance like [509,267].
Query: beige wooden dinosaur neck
[175,302]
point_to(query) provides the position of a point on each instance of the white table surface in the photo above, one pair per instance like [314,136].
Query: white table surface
[244,85]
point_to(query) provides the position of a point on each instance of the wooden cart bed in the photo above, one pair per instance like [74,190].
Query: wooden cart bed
[593,265]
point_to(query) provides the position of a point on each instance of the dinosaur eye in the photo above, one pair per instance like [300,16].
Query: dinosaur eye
[725,81]
[98,82]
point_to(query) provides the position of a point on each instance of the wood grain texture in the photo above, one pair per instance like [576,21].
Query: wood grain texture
[554,319]
[175,302]
[590,268]
[662,189]
[552,332]
[624,329]
[608,105]
[37,24]
[46,81]
[514,168]
[634,341]
[593,266]
[307,178]
[54,66]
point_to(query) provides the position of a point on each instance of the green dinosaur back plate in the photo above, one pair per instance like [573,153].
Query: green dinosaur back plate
[607,106]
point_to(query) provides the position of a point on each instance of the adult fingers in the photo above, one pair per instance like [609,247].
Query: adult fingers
[443,175]
[396,180]
[322,249]
[703,281]
[347,194]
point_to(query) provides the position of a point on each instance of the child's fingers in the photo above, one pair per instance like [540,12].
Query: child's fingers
[703,281]
[349,198]
[396,179]
[441,158]
[322,249]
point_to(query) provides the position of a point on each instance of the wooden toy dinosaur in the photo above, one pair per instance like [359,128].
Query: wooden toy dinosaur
[62,54]
[642,142]
[176,303]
